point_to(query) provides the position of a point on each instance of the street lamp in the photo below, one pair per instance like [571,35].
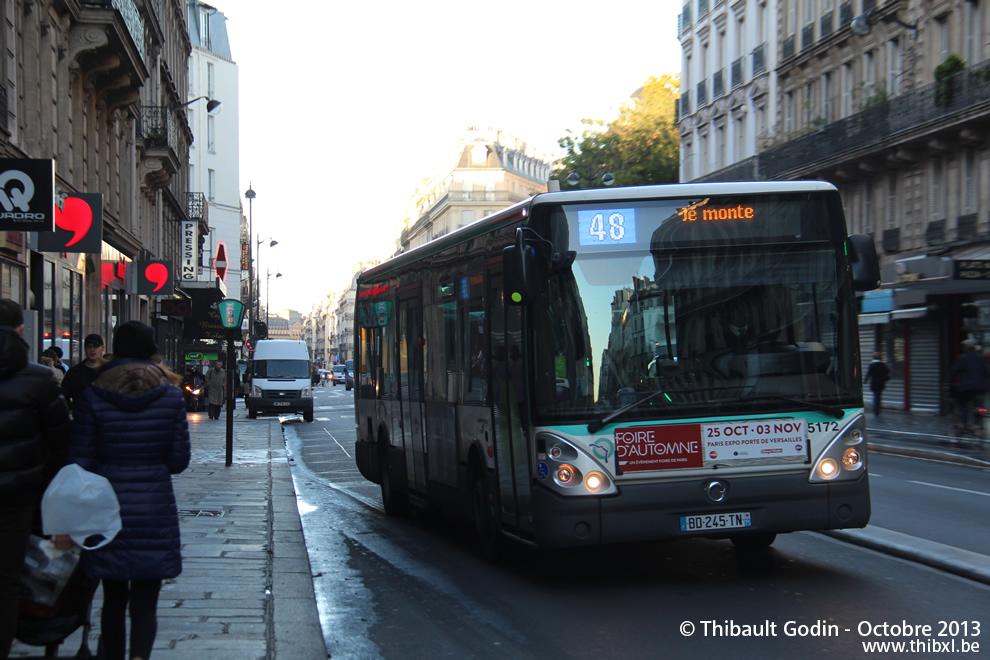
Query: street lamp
[272,243]
[268,289]
[250,195]
[212,106]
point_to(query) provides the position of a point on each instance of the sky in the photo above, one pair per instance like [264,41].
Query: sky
[346,106]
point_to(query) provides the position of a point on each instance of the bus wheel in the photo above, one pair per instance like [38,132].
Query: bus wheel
[753,541]
[391,500]
[484,524]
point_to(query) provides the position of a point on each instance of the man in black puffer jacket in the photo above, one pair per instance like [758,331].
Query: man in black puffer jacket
[34,437]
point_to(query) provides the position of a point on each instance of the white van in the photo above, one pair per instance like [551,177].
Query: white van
[280,379]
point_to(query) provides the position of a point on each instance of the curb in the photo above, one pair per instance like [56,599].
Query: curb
[964,563]
[931,454]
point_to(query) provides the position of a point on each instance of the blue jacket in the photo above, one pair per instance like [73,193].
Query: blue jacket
[130,427]
[969,372]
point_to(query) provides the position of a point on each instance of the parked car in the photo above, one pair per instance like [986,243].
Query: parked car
[349,375]
[339,374]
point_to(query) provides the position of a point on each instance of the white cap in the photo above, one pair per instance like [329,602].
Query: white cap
[81,504]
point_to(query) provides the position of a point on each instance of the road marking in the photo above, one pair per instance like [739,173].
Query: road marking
[338,444]
[323,419]
[961,490]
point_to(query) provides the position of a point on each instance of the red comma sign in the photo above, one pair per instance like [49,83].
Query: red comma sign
[75,216]
[157,273]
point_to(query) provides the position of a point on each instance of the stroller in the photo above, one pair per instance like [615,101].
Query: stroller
[39,625]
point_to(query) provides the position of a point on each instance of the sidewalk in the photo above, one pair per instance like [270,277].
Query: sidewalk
[925,435]
[246,590]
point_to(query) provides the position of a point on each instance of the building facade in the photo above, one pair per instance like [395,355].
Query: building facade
[728,84]
[97,87]
[491,171]
[890,101]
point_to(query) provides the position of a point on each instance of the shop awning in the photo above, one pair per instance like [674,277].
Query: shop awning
[909,313]
[876,318]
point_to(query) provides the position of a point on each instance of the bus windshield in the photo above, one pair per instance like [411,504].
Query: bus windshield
[696,307]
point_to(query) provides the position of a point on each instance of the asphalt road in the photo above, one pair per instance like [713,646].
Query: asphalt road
[403,588]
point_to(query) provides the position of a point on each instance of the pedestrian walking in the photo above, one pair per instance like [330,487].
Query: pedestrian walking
[34,436]
[130,427]
[59,364]
[216,389]
[82,375]
[49,359]
[877,376]
[968,379]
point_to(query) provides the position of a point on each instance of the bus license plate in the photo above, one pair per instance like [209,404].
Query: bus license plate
[716,521]
[280,403]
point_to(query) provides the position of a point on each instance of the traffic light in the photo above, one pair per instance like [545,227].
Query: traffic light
[261,329]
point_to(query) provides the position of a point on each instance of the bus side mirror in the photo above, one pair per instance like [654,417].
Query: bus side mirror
[865,264]
[526,273]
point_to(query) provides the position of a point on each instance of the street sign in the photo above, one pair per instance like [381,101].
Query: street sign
[220,261]
[155,278]
[231,312]
[78,225]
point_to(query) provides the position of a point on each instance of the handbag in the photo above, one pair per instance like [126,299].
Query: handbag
[46,572]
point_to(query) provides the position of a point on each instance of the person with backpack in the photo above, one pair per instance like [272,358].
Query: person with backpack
[877,376]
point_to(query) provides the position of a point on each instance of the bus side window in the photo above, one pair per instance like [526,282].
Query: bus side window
[476,353]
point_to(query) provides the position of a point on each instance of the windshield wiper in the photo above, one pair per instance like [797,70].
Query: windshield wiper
[598,423]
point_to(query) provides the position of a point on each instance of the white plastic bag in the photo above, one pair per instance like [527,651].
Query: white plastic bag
[81,504]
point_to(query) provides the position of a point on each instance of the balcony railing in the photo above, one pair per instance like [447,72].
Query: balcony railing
[685,103]
[3,107]
[157,127]
[737,75]
[968,91]
[845,14]
[826,24]
[718,86]
[196,206]
[702,93]
[935,232]
[702,8]
[966,226]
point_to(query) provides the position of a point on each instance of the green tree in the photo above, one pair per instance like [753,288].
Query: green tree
[641,147]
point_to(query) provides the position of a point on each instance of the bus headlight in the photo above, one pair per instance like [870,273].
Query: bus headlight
[828,469]
[569,469]
[595,481]
[566,475]
[844,459]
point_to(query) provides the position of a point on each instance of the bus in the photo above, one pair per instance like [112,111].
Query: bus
[626,364]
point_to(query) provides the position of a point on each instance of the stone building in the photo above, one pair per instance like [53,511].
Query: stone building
[98,86]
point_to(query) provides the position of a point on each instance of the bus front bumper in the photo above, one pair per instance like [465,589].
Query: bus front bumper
[652,511]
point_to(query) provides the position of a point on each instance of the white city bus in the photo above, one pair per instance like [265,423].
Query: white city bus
[626,364]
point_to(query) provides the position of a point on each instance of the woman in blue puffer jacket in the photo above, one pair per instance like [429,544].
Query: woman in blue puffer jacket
[130,427]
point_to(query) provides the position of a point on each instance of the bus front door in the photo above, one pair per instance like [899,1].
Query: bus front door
[512,452]
[411,363]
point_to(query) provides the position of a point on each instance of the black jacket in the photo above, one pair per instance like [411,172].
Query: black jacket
[77,379]
[34,424]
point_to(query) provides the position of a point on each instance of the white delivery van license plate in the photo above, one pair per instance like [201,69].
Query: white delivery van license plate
[716,521]
[281,403]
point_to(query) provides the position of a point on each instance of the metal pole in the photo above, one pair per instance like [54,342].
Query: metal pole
[250,194]
[231,366]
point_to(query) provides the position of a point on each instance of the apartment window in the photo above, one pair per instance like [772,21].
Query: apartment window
[789,112]
[703,156]
[809,104]
[687,161]
[211,192]
[974,32]
[936,190]
[870,67]
[809,11]
[761,120]
[892,201]
[827,97]
[211,133]
[848,84]
[204,28]
[893,66]
[720,147]
[791,17]
[210,78]
[192,178]
[868,207]
[942,29]
[969,180]
[740,139]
